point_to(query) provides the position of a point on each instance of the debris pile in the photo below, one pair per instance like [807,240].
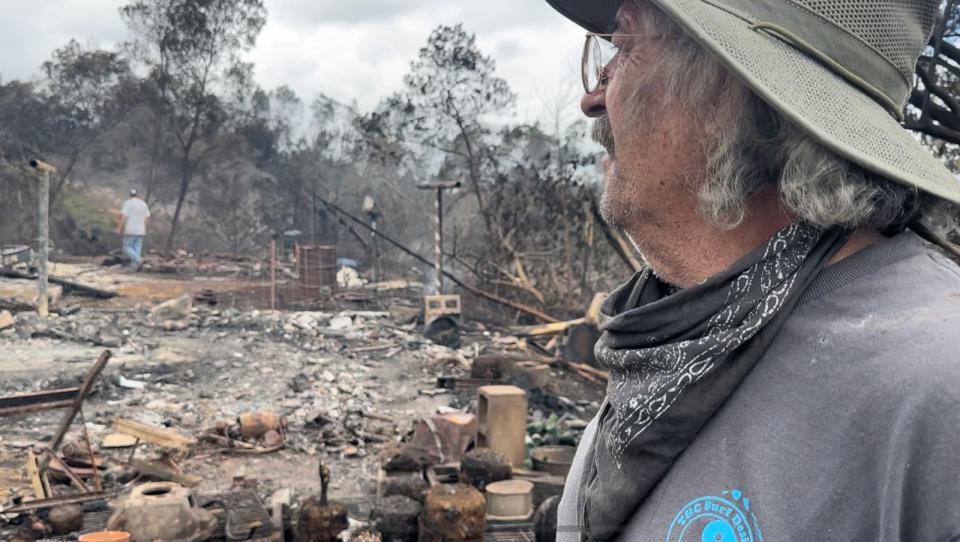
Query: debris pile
[208,411]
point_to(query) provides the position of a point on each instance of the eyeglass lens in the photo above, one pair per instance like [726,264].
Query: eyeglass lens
[598,52]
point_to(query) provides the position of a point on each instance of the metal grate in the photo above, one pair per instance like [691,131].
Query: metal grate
[247,515]
[358,508]
[524,535]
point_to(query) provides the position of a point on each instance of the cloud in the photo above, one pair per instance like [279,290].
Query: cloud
[353,51]
[364,58]
[29,35]
[313,12]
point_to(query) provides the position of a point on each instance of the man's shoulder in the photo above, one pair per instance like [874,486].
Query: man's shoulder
[897,324]
[135,204]
[923,282]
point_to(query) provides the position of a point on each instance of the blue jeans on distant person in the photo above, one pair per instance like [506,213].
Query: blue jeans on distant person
[132,245]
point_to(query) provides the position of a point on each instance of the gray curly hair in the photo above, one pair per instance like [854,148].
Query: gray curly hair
[749,144]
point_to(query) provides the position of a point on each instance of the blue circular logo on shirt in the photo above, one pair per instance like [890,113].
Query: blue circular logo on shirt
[716,519]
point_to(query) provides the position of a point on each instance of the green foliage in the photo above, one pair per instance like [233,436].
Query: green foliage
[451,87]
[82,87]
[84,224]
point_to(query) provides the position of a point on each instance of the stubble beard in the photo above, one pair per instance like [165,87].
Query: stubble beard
[614,205]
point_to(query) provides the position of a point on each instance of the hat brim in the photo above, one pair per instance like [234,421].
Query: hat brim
[821,103]
[593,15]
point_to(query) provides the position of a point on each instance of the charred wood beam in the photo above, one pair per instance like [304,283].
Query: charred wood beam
[949,66]
[935,130]
[933,88]
[928,73]
[942,116]
[68,286]
[89,380]
[23,403]
[949,50]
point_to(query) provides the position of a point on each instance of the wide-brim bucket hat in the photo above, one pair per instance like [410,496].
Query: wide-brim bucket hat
[841,70]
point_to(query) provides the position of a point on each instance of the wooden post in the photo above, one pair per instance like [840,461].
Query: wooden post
[273,275]
[43,235]
[439,241]
[439,186]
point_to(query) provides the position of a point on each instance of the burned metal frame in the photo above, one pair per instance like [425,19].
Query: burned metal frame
[39,401]
[71,399]
[42,504]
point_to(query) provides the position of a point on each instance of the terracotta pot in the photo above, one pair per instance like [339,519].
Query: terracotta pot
[106,536]
[254,425]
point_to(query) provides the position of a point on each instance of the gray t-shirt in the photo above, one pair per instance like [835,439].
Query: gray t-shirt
[136,212]
[848,429]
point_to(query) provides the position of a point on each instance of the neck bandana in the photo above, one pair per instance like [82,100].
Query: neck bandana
[675,358]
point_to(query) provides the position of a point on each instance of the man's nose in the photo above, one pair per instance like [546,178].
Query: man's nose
[594,105]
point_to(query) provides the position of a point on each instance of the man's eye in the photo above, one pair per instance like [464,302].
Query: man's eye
[613,48]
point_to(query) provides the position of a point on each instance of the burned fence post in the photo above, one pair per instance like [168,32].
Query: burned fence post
[43,234]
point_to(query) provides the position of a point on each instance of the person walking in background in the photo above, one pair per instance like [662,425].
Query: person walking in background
[133,227]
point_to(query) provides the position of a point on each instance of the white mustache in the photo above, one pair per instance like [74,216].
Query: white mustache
[602,133]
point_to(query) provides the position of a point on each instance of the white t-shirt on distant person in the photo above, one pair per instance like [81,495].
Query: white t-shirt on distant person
[136,212]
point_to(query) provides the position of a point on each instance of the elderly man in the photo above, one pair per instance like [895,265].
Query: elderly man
[132,224]
[787,368]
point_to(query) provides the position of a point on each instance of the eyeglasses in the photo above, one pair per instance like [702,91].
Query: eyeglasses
[598,52]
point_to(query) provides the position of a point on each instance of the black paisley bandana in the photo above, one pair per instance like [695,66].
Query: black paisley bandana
[674,358]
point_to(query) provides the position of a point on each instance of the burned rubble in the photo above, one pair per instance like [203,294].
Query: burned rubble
[234,409]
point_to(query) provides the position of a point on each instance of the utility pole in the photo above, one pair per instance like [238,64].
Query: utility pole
[439,186]
[373,215]
[43,235]
[441,313]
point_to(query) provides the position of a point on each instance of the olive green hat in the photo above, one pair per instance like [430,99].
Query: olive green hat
[841,70]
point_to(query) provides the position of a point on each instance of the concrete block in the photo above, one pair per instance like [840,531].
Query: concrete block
[502,421]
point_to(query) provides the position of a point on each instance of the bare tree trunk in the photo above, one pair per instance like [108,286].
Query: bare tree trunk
[151,178]
[62,178]
[473,168]
[185,178]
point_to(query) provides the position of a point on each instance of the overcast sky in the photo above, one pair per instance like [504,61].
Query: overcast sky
[350,50]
